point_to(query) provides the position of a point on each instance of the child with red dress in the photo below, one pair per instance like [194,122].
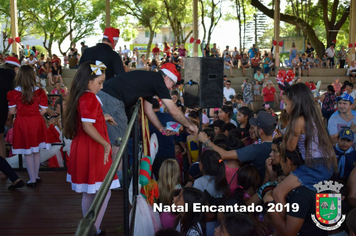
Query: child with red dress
[29,103]
[84,123]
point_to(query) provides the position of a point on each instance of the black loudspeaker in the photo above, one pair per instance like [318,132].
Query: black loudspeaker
[203,78]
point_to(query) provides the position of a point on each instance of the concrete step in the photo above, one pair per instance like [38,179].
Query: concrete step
[68,72]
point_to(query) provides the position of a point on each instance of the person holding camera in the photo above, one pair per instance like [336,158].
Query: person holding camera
[229,92]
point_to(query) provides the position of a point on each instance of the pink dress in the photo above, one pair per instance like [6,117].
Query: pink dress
[230,172]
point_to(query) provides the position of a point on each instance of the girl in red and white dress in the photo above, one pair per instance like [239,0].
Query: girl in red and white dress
[84,123]
[29,103]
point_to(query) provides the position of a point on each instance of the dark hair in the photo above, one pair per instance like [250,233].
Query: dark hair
[294,156]
[191,219]
[331,88]
[234,139]
[210,132]
[193,114]
[169,231]
[228,81]
[155,103]
[26,79]
[246,111]
[239,96]
[213,166]
[278,142]
[220,140]
[239,224]
[218,123]
[350,84]
[303,105]
[175,92]
[344,85]
[248,177]
[228,126]
[78,87]
[227,109]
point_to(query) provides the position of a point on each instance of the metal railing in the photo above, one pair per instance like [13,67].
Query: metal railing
[86,226]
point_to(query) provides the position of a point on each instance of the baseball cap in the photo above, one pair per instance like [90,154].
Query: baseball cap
[346,133]
[264,120]
[346,96]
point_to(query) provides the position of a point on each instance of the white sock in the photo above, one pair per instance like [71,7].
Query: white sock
[30,166]
[37,161]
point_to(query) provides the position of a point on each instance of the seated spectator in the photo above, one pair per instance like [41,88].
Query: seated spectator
[228,64]
[309,50]
[343,119]
[337,85]
[214,52]
[245,63]
[32,61]
[311,60]
[58,90]
[317,61]
[255,62]
[324,61]
[258,76]
[236,57]
[351,71]
[349,89]
[304,64]
[56,71]
[228,92]
[142,62]
[177,61]
[126,60]
[153,66]
[73,61]
[328,100]
[345,153]
[45,72]
[56,59]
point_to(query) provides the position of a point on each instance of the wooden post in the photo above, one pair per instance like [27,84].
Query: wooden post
[107,13]
[195,27]
[352,31]
[276,31]
[13,15]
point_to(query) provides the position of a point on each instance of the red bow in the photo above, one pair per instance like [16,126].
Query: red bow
[334,41]
[11,40]
[192,40]
[280,43]
[352,45]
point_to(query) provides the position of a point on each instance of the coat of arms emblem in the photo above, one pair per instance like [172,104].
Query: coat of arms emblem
[328,206]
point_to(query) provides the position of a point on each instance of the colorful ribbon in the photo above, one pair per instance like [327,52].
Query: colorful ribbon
[352,45]
[97,68]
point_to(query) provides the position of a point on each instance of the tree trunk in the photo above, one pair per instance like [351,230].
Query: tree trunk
[152,33]
[202,18]
[238,14]
[244,18]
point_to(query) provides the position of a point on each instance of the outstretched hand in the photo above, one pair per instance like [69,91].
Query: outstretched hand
[192,129]
[109,119]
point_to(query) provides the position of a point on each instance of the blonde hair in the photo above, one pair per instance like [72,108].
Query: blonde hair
[169,177]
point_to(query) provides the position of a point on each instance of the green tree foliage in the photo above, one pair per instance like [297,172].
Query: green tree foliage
[307,17]
[179,15]
[56,20]
[148,13]
[24,23]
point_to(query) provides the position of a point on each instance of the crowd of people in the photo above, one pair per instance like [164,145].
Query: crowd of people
[244,155]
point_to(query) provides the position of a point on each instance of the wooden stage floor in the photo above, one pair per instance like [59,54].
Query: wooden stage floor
[51,208]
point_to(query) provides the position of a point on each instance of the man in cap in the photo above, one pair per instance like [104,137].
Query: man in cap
[344,119]
[122,92]
[345,153]
[104,52]
[264,125]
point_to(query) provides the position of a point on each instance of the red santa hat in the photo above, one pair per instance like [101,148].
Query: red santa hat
[13,61]
[112,34]
[170,70]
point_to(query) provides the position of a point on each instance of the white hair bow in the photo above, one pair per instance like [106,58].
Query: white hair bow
[98,68]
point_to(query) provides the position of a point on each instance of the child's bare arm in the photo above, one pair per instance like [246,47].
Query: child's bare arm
[293,139]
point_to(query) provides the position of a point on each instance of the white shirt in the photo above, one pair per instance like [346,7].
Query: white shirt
[330,52]
[31,62]
[127,51]
[228,93]
[351,68]
[353,94]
